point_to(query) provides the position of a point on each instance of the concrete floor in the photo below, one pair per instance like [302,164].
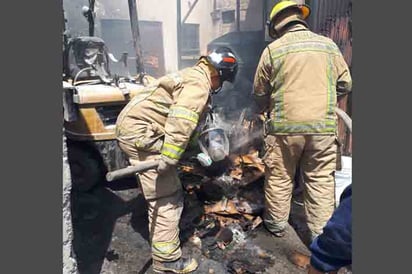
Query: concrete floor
[111,236]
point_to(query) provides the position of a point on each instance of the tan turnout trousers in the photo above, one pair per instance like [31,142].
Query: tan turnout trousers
[316,155]
[164,196]
[158,123]
[296,84]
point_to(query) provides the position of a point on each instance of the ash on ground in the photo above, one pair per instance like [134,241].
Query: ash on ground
[111,234]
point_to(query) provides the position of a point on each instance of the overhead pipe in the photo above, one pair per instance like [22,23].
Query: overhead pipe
[189,11]
[179,32]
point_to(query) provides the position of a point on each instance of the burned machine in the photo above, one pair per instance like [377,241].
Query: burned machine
[92,99]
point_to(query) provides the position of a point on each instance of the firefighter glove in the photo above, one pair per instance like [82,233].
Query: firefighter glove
[163,166]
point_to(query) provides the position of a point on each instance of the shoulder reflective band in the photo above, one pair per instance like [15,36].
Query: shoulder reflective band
[172,151]
[305,46]
[184,113]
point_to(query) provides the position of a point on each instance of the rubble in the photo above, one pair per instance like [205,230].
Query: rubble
[220,223]
[231,201]
[234,197]
[300,260]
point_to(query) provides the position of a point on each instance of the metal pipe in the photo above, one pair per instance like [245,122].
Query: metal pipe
[131,170]
[179,32]
[264,19]
[134,23]
[189,11]
[90,17]
[237,15]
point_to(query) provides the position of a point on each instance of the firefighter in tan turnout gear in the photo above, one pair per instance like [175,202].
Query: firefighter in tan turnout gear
[296,85]
[158,124]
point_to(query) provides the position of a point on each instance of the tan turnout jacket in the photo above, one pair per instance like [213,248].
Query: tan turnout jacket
[164,115]
[296,82]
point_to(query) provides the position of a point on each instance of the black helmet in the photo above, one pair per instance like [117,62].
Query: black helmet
[225,62]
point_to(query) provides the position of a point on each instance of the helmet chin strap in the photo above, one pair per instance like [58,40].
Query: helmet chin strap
[215,91]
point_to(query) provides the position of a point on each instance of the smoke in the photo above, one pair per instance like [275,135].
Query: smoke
[243,133]
[253,136]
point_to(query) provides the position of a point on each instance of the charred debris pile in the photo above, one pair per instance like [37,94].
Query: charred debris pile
[224,202]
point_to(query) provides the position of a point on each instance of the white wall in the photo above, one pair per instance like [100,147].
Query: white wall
[163,11]
[200,15]
[149,10]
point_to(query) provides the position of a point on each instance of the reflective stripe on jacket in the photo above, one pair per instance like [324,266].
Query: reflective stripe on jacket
[296,82]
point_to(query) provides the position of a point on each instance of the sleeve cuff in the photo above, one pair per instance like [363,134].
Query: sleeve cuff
[170,161]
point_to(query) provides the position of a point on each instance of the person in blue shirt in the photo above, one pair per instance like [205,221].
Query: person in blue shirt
[332,249]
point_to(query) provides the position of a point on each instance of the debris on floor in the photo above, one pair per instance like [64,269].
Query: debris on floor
[230,208]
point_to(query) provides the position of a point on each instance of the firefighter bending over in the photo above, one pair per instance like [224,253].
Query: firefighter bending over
[157,124]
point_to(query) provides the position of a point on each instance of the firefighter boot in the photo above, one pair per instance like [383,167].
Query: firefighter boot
[181,265]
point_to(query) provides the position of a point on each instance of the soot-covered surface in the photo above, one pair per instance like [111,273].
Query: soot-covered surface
[111,236]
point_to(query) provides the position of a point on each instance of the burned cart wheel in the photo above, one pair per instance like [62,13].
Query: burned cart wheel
[87,170]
